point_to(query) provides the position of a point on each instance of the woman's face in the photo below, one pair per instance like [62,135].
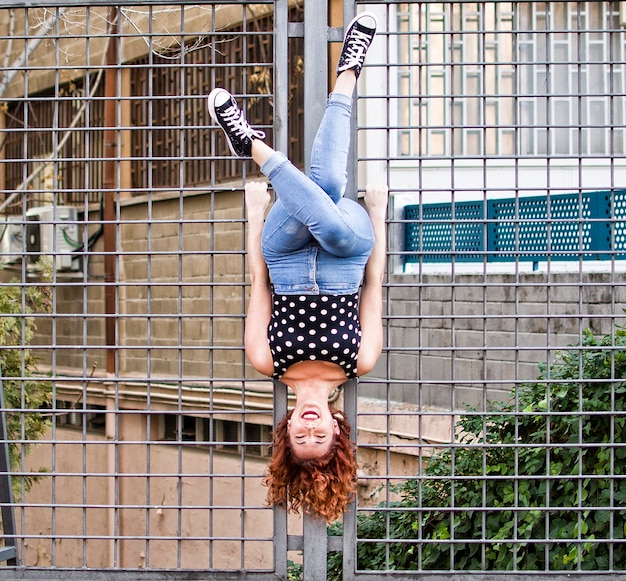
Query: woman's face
[311,430]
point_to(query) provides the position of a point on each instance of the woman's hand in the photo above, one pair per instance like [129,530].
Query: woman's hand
[257,199]
[376,196]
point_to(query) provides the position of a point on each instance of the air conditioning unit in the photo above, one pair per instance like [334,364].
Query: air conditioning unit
[11,239]
[53,231]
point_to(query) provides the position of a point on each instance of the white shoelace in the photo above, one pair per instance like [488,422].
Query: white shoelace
[359,42]
[236,123]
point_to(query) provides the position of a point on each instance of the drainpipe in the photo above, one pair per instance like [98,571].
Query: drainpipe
[109,184]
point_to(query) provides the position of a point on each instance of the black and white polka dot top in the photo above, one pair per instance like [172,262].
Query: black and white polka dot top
[309,327]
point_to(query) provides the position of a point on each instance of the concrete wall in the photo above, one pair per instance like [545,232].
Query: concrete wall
[117,499]
[101,500]
[471,338]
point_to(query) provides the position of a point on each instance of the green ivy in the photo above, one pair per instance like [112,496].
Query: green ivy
[17,363]
[533,484]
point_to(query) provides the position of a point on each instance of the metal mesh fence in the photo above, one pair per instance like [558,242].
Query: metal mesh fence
[491,434]
[124,249]
[502,375]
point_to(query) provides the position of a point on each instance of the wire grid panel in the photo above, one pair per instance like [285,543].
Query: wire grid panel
[491,434]
[124,287]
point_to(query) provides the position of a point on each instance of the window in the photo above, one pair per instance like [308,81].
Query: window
[177,427]
[72,415]
[252,439]
[224,435]
[167,142]
[469,81]
[566,107]
[42,123]
[180,89]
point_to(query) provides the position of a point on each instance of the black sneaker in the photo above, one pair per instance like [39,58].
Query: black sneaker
[358,37]
[224,110]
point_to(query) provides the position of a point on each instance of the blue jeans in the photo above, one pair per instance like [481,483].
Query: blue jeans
[315,241]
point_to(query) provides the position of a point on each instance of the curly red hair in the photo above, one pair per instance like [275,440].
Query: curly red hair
[322,486]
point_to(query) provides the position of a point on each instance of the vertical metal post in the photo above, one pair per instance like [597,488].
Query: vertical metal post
[349,11]
[350,388]
[315,71]
[314,544]
[316,36]
[280,513]
[315,95]
[281,142]
[281,75]
[8,553]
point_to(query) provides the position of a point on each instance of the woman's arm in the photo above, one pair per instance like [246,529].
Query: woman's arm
[260,305]
[371,307]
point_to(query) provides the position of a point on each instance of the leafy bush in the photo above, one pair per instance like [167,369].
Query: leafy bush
[17,364]
[534,484]
[295,571]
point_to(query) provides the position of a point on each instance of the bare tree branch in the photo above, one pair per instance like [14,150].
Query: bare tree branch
[31,45]
[66,136]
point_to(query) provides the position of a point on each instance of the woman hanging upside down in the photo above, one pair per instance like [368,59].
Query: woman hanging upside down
[316,267]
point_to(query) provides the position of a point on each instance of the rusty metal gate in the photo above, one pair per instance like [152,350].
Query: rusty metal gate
[492,433]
